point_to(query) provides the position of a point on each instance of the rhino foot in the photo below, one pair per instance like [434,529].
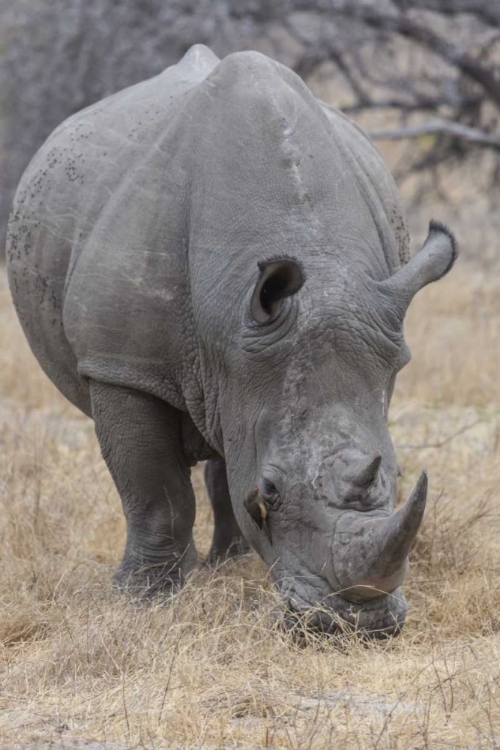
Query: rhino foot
[149,581]
[221,553]
[139,437]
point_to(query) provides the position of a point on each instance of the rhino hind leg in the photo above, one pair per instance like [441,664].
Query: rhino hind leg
[228,540]
[139,436]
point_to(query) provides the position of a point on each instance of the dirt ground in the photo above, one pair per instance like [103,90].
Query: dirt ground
[82,667]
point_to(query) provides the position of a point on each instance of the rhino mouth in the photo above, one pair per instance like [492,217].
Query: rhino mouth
[333,614]
[360,591]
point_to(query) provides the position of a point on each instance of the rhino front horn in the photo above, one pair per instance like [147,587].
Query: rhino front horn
[382,545]
[397,535]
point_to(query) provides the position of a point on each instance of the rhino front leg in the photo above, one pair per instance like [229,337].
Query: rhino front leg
[228,540]
[139,437]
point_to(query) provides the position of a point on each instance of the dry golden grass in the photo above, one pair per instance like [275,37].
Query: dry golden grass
[211,669]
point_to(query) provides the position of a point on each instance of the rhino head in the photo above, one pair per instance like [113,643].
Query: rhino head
[311,465]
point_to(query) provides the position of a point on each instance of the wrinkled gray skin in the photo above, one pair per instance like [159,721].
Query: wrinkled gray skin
[139,262]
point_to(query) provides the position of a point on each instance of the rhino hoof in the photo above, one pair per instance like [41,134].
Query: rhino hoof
[219,554]
[149,581]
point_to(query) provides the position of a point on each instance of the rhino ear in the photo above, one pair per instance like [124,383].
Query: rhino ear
[278,280]
[433,261]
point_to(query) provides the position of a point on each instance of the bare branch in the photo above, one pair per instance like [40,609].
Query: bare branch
[446,127]
[418,103]
[402,24]
[66,54]
[486,10]
[444,441]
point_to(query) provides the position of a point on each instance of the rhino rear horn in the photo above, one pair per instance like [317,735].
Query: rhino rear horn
[434,260]
[364,471]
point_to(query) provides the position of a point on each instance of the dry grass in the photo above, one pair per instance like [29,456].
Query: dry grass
[211,670]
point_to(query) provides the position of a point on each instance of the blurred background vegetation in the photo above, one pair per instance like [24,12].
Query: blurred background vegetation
[80,667]
[422,77]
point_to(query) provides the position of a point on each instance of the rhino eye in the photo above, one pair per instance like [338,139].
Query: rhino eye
[268,489]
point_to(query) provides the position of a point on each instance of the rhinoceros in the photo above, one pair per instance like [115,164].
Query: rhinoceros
[213,265]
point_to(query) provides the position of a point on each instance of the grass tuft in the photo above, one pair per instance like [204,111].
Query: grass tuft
[213,668]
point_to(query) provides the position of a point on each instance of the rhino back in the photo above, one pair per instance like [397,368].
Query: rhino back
[92,225]
[137,229]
